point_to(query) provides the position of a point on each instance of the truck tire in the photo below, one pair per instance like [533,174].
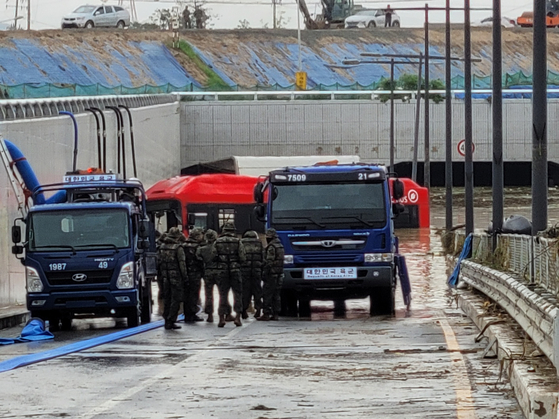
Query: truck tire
[146,304]
[382,301]
[133,317]
[288,304]
[65,323]
[304,308]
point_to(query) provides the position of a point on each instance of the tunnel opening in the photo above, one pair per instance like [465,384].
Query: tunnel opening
[515,173]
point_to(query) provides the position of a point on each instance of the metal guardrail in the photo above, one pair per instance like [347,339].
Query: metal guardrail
[330,94]
[12,109]
[533,258]
[521,275]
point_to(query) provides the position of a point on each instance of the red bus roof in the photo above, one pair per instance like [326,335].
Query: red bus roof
[210,188]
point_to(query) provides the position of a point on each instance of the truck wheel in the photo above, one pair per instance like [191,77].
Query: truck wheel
[288,304]
[382,301]
[65,323]
[147,304]
[339,308]
[372,24]
[133,317]
[304,307]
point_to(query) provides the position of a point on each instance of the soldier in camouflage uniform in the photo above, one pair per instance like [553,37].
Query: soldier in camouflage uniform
[230,255]
[195,270]
[158,242]
[272,276]
[173,271]
[211,273]
[251,272]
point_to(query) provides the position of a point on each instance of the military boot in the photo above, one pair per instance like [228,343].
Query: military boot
[264,318]
[221,320]
[171,326]
[257,313]
[237,320]
[244,314]
[210,318]
[229,318]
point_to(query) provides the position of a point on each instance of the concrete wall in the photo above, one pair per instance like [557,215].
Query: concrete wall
[215,130]
[47,144]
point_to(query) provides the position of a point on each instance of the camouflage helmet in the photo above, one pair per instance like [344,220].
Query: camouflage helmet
[174,233]
[211,235]
[196,233]
[271,233]
[229,226]
[250,234]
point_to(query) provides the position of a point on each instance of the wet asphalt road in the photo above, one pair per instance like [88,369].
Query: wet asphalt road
[423,363]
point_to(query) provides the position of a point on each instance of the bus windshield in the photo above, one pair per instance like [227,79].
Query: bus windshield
[79,229]
[329,205]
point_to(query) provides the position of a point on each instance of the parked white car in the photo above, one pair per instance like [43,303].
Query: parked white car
[97,16]
[370,19]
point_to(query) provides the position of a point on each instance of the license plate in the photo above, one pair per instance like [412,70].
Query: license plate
[330,273]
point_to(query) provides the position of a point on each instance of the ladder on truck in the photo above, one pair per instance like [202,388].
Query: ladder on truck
[14,177]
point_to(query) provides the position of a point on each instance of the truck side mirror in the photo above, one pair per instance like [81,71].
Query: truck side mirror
[17,250]
[191,220]
[397,189]
[144,229]
[16,234]
[260,212]
[257,193]
[397,209]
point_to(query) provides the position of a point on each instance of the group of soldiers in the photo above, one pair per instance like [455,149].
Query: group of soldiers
[200,17]
[244,266]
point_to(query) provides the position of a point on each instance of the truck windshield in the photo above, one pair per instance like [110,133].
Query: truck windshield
[79,230]
[332,205]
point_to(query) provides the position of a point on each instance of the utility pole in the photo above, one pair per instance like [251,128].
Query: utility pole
[28,15]
[427,159]
[15,15]
[497,113]
[539,120]
[274,13]
[469,164]
[448,112]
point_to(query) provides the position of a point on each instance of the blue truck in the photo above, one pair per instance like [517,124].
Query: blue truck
[92,254]
[336,225]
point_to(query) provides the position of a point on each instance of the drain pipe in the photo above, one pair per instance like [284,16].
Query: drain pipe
[104,126]
[127,109]
[120,143]
[99,162]
[71,115]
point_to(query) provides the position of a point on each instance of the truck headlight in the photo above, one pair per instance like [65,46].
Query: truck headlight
[126,276]
[378,257]
[288,259]
[34,283]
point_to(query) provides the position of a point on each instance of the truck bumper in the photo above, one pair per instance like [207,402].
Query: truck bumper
[368,278]
[97,302]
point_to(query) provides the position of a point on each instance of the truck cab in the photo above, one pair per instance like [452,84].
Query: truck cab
[336,225]
[91,254]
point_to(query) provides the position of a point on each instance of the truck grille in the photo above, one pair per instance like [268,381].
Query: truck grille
[330,258]
[327,244]
[92,277]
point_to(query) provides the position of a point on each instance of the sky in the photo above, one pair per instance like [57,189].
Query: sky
[227,14]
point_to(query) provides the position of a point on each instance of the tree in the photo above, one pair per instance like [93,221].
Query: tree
[409,82]
[243,24]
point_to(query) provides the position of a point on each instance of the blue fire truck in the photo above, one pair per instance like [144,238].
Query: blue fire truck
[336,224]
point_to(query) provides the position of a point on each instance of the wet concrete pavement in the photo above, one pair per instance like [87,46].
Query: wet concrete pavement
[423,363]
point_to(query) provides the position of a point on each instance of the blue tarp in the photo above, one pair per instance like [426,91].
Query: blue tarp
[466,251]
[33,331]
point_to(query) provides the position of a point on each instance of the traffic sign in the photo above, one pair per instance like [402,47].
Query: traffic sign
[462,148]
[301,80]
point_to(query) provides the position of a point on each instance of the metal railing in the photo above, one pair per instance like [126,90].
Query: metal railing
[12,109]
[532,258]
